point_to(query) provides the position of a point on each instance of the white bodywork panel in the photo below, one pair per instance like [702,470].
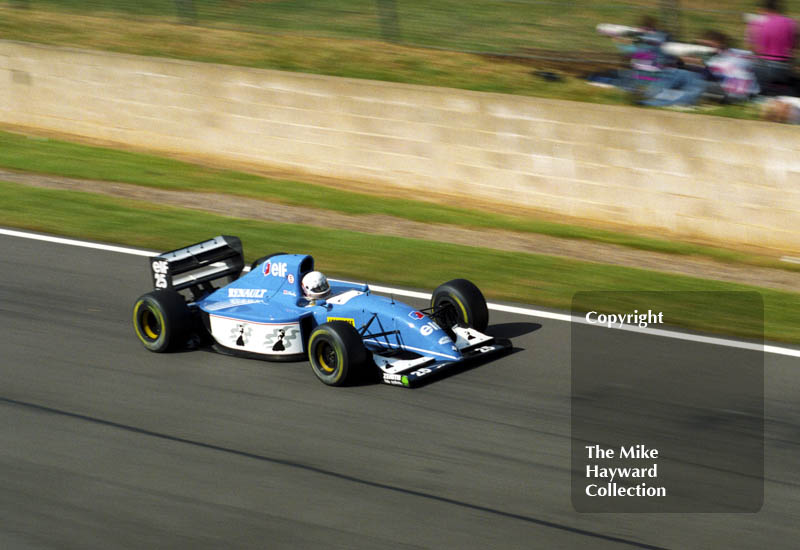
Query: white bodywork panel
[469,337]
[395,366]
[264,338]
[344,297]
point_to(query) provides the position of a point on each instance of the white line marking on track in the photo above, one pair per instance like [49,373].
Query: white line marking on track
[73,242]
[776,350]
[573,319]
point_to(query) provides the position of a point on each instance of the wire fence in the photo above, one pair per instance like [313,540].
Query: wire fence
[492,26]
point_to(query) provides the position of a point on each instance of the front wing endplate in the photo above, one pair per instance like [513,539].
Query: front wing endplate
[428,372]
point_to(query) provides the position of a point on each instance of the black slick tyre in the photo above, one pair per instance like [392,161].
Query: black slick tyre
[460,302]
[161,320]
[336,353]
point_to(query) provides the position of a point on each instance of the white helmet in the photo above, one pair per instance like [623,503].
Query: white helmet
[315,285]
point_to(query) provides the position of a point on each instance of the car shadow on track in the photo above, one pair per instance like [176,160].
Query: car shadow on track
[512,330]
[466,365]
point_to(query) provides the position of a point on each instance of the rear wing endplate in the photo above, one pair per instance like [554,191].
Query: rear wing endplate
[198,264]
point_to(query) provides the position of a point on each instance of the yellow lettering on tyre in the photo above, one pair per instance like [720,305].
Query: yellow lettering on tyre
[146,321]
[339,360]
[345,319]
[149,336]
[463,309]
[136,320]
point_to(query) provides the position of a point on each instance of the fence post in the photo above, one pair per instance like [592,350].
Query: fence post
[387,16]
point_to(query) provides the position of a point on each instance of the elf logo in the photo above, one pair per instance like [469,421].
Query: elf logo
[276,269]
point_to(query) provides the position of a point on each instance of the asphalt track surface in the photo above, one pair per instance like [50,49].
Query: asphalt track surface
[105,445]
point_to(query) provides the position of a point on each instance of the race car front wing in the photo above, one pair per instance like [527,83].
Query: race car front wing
[416,372]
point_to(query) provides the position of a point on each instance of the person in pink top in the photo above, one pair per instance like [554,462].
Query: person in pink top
[773,37]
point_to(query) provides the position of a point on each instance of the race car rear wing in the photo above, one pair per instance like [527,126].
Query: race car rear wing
[198,264]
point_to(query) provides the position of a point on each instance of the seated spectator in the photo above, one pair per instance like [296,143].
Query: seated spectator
[725,76]
[773,37]
[642,47]
[646,58]
[676,87]
[731,69]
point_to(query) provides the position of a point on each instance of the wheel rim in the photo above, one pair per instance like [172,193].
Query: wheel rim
[150,324]
[447,314]
[327,357]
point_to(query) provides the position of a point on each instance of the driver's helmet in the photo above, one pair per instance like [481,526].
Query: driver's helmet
[315,285]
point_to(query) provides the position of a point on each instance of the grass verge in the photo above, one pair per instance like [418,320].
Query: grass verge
[543,280]
[48,156]
[338,40]
[290,49]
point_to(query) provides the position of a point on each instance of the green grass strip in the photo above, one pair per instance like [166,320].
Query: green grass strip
[344,42]
[534,279]
[49,156]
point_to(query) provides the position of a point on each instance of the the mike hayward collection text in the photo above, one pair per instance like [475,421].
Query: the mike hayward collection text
[604,479]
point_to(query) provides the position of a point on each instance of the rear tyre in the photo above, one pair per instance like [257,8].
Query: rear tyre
[161,320]
[460,302]
[337,353]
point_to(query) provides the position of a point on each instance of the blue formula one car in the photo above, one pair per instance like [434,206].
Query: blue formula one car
[281,309]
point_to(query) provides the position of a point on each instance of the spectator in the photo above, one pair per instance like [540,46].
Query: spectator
[730,70]
[645,54]
[725,76]
[773,37]
[782,109]
[642,48]
[676,87]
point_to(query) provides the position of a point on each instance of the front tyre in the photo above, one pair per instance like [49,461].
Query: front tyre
[336,353]
[161,320]
[460,302]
